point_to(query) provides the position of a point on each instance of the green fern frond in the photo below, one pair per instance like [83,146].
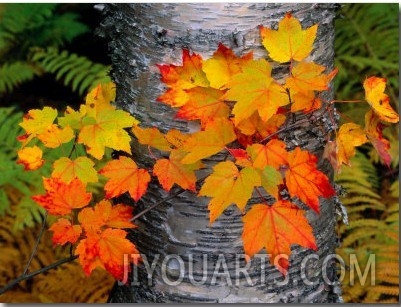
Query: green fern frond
[26,25]
[13,74]
[78,72]
[366,48]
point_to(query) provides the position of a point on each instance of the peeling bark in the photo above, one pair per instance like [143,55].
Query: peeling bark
[143,35]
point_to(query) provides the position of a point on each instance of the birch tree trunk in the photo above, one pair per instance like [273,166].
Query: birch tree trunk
[143,35]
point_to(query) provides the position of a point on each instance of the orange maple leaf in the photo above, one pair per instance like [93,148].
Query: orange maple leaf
[216,135]
[228,185]
[151,137]
[276,228]
[374,132]
[30,157]
[273,154]
[103,214]
[304,180]
[67,169]
[172,170]
[61,197]
[255,90]
[289,42]
[125,176]
[308,76]
[181,78]
[379,101]
[349,136]
[64,232]
[106,250]
[223,65]
[305,101]
[204,103]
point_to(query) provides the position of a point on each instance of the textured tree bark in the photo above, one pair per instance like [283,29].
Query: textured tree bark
[143,35]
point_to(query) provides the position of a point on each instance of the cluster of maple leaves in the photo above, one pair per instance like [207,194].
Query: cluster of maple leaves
[240,108]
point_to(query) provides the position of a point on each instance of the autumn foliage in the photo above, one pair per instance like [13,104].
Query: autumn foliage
[240,108]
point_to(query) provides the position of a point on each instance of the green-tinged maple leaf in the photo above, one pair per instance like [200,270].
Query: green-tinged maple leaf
[67,169]
[107,130]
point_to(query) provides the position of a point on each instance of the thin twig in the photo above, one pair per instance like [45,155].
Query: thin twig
[42,229]
[37,272]
[156,204]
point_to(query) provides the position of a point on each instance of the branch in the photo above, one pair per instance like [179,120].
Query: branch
[37,272]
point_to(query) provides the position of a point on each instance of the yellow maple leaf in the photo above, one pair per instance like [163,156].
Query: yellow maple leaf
[223,65]
[213,139]
[255,90]
[380,102]
[227,185]
[349,136]
[289,42]
[30,157]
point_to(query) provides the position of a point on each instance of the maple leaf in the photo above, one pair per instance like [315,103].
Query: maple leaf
[308,76]
[228,185]
[61,197]
[172,170]
[53,136]
[36,122]
[379,101]
[273,154]
[204,103]
[106,250]
[176,138]
[64,232]
[255,125]
[72,118]
[276,228]
[255,90]
[125,176]
[289,42]
[181,78]
[270,180]
[151,137]
[67,169]
[30,157]
[104,214]
[304,180]
[217,134]
[305,101]
[374,132]
[107,130]
[99,98]
[223,65]
[349,136]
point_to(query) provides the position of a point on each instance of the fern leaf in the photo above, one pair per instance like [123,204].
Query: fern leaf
[13,74]
[78,72]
